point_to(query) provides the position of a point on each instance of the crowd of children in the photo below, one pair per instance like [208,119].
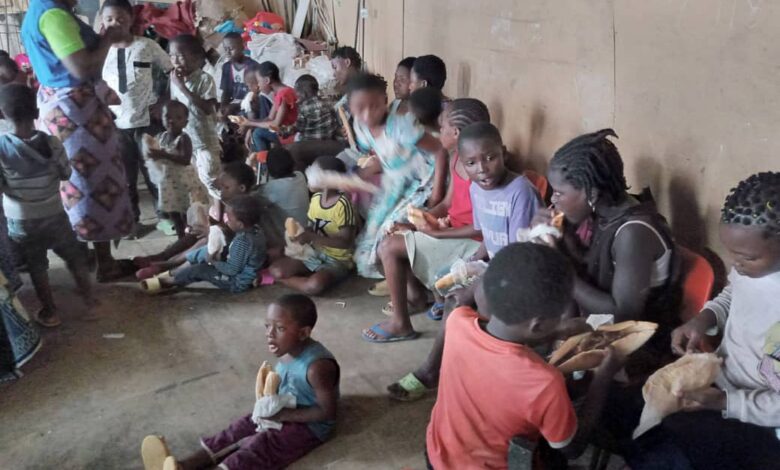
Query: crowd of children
[424,151]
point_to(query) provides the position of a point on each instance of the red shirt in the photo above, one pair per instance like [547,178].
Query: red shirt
[490,391]
[287,96]
[460,212]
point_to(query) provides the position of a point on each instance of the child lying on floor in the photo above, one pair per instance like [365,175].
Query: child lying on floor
[246,255]
[308,371]
[493,385]
[332,227]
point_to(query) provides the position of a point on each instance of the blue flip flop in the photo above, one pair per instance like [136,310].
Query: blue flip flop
[436,312]
[386,337]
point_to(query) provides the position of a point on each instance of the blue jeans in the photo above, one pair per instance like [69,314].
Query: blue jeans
[262,139]
[208,273]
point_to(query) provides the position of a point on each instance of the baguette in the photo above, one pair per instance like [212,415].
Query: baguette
[262,375]
[557,220]
[292,227]
[272,382]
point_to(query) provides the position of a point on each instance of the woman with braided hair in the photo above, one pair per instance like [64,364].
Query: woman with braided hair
[732,424]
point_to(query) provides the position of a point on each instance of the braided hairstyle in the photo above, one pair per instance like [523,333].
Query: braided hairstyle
[755,202]
[461,112]
[592,162]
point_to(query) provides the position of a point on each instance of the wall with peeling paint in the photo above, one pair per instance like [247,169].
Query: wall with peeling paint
[691,86]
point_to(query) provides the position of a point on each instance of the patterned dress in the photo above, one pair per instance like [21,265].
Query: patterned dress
[175,182]
[407,178]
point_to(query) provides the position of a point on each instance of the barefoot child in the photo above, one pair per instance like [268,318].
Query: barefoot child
[32,164]
[733,424]
[175,178]
[332,227]
[246,255]
[493,385]
[308,371]
[196,89]
[502,202]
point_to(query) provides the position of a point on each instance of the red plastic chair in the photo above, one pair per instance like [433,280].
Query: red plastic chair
[539,181]
[698,279]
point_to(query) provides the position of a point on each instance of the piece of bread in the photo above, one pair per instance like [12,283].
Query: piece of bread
[292,227]
[272,382]
[421,219]
[445,282]
[557,220]
[262,375]
[586,351]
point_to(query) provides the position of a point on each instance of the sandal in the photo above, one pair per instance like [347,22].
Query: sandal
[379,289]
[436,312]
[52,321]
[155,453]
[409,388]
[412,309]
[147,272]
[384,336]
[153,286]
[170,463]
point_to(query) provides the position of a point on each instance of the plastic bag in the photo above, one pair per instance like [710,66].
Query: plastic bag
[216,242]
[154,167]
[462,273]
[268,406]
[279,48]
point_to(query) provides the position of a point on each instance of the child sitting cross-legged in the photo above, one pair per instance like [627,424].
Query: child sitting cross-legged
[316,117]
[493,385]
[246,255]
[332,227]
[308,371]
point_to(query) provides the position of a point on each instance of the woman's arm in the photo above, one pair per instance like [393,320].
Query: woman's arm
[323,375]
[635,250]
[430,144]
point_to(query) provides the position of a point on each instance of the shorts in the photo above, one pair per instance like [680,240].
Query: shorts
[322,262]
[431,258]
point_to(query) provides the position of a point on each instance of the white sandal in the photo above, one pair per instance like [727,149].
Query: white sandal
[155,453]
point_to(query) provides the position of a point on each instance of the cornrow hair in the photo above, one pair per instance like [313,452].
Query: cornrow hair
[464,111]
[592,162]
[755,202]
[367,81]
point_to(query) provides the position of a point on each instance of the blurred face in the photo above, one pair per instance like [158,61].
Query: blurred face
[448,134]
[117,18]
[282,332]
[753,254]
[184,61]
[401,83]
[234,49]
[566,198]
[484,162]
[232,222]
[368,106]
[415,82]
[229,187]
[263,83]
[341,69]
[174,119]
[250,79]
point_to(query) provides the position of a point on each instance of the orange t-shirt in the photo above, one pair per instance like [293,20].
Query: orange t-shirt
[490,391]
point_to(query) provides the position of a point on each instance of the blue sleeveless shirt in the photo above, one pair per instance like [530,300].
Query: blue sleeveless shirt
[48,68]
[294,382]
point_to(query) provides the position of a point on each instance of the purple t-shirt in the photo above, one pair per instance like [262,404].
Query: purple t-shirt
[500,212]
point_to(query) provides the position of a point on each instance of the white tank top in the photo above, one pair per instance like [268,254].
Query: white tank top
[662,265]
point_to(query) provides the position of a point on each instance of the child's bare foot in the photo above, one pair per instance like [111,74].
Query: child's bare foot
[155,453]
[47,318]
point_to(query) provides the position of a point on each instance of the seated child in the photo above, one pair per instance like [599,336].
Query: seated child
[317,119]
[732,424]
[284,195]
[426,105]
[246,254]
[261,134]
[308,371]
[196,89]
[493,385]
[172,173]
[428,71]
[502,202]
[233,83]
[236,179]
[332,229]
[32,165]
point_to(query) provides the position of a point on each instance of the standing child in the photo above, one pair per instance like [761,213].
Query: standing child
[493,385]
[233,83]
[32,164]
[316,118]
[405,156]
[196,89]
[177,180]
[284,112]
[308,371]
[734,423]
[502,202]
[128,70]
[332,227]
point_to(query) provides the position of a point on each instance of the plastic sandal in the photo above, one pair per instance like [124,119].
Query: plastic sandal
[436,312]
[387,337]
[409,388]
[379,289]
[155,453]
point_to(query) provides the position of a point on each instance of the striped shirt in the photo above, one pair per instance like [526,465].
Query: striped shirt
[246,255]
[30,174]
[316,120]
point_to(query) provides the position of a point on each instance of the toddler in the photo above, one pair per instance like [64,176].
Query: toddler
[173,174]
[308,371]
[32,164]
[246,255]
[196,89]
[331,232]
